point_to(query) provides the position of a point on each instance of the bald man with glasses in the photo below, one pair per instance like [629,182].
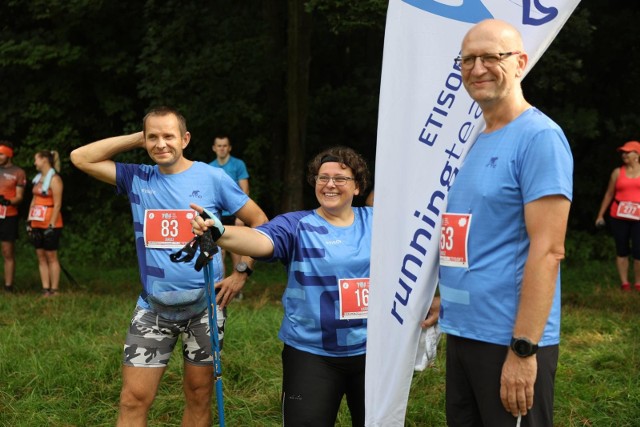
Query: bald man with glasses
[501,310]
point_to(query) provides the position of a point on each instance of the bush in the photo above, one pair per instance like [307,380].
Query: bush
[584,246]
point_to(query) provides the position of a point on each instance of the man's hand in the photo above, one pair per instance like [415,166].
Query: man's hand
[229,287]
[516,383]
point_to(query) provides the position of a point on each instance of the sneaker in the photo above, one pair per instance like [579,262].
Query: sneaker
[8,288]
[625,286]
[46,293]
[637,286]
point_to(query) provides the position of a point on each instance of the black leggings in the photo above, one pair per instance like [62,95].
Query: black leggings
[313,386]
[625,231]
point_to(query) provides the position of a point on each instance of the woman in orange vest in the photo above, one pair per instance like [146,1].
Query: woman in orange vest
[45,219]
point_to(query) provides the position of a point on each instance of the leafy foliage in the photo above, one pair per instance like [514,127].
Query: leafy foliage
[42,383]
[81,70]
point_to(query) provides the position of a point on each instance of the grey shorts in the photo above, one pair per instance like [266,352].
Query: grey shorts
[151,339]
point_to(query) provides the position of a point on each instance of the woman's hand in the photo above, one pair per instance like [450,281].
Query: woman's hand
[205,221]
[432,314]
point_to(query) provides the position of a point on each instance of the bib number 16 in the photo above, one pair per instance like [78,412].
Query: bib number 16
[354,298]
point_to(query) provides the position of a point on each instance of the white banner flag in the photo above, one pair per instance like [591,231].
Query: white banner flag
[427,122]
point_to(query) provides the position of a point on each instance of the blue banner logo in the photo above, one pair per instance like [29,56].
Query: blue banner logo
[548,13]
[471,11]
[474,11]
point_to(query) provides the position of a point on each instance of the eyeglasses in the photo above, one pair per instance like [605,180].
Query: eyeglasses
[338,181]
[489,60]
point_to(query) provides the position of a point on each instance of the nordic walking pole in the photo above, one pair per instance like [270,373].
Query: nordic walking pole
[208,249]
[69,276]
[215,343]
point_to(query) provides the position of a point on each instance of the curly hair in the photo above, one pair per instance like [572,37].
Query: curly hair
[347,157]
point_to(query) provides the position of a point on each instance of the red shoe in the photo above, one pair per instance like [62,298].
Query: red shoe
[637,286]
[625,286]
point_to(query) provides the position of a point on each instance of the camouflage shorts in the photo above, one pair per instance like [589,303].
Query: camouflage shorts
[151,339]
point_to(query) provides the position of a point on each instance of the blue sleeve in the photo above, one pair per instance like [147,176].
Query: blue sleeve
[125,172]
[282,230]
[243,173]
[547,166]
[231,195]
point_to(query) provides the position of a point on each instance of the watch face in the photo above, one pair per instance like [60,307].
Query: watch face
[241,267]
[522,347]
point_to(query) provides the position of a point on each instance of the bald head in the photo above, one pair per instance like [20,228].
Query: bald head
[493,63]
[500,34]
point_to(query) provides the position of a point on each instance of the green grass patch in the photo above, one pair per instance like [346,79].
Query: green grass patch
[60,357]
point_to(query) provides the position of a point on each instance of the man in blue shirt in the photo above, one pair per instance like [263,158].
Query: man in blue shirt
[237,170]
[171,302]
[502,243]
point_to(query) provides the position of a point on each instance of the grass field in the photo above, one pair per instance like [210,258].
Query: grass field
[60,357]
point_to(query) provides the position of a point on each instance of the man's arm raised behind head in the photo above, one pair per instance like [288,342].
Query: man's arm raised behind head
[95,158]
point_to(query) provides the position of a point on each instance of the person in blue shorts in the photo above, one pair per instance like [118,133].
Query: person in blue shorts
[326,253]
[172,303]
[505,222]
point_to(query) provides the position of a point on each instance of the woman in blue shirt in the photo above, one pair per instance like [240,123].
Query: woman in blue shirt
[326,252]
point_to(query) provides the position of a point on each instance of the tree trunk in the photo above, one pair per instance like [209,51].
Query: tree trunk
[275,14]
[298,58]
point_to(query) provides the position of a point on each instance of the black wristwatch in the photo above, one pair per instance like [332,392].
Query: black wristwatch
[242,267]
[523,347]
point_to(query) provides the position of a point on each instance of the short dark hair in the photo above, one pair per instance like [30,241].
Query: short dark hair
[163,111]
[346,156]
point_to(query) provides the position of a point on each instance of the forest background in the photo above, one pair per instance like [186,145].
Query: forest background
[284,79]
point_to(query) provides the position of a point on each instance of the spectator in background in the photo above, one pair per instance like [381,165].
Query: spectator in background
[623,200]
[12,183]
[237,170]
[45,219]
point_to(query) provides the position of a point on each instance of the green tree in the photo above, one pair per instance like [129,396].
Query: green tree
[283,79]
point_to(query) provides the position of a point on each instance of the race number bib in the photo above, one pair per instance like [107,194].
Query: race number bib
[354,298]
[629,210]
[37,213]
[167,228]
[3,211]
[453,240]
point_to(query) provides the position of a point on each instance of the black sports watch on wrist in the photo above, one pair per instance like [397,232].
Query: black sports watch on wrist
[523,347]
[242,267]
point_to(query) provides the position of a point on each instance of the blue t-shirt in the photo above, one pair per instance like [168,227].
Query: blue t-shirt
[147,188]
[528,159]
[316,255]
[235,168]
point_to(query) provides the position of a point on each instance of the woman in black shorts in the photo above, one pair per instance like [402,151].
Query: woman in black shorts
[45,220]
[623,195]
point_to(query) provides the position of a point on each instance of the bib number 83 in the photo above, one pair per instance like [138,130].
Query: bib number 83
[169,228]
